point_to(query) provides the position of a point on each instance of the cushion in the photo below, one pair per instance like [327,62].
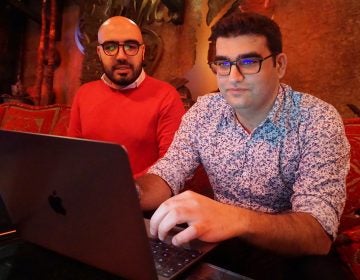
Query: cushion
[351,214]
[62,123]
[347,243]
[352,125]
[2,112]
[23,119]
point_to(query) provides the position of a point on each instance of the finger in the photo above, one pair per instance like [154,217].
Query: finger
[156,219]
[174,217]
[162,211]
[185,236]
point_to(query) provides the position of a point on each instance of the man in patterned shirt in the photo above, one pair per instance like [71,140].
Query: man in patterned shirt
[277,159]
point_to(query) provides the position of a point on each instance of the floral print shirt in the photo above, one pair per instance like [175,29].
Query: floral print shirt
[296,160]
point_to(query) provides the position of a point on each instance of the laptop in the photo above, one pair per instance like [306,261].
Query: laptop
[77,198]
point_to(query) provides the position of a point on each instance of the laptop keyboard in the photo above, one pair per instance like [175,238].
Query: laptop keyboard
[170,259]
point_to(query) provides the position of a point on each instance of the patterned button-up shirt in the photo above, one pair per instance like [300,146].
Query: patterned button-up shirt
[296,160]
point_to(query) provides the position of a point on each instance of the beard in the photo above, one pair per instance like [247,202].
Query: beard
[124,79]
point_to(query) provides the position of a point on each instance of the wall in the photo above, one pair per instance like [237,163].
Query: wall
[12,24]
[201,78]
[67,78]
[67,74]
[321,40]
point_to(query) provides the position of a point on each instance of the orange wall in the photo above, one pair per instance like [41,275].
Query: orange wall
[67,75]
[321,39]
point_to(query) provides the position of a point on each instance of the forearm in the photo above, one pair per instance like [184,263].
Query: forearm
[152,191]
[292,233]
[213,221]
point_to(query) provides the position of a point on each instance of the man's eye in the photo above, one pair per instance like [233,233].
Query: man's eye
[110,47]
[223,63]
[248,61]
[131,46]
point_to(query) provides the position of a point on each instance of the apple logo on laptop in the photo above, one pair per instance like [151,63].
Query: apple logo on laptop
[56,203]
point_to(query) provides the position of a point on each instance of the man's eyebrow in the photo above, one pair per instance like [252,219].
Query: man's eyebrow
[132,41]
[221,57]
[241,56]
[109,41]
[248,55]
[123,42]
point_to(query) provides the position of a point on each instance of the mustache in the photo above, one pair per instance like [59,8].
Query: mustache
[120,64]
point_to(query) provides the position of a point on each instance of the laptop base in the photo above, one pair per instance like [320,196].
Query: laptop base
[20,260]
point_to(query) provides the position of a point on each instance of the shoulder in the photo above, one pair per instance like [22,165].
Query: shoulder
[318,110]
[91,87]
[211,102]
[161,92]
[314,105]
[312,114]
[158,84]
[207,107]
[90,92]
[308,107]
[92,84]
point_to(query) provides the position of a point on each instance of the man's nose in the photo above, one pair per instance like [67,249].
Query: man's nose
[121,53]
[235,74]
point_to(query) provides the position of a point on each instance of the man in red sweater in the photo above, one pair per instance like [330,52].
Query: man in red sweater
[126,106]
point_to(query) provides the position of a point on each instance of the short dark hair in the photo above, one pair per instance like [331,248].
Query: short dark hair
[245,23]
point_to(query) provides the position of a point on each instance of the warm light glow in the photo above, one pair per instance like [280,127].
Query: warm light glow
[7,232]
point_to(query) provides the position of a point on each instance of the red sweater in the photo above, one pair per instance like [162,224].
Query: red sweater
[143,119]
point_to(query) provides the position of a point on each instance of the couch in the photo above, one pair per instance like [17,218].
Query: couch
[54,119]
[51,119]
[348,241]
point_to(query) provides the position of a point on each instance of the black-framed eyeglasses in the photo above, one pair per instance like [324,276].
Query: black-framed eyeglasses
[111,48]
[246,66]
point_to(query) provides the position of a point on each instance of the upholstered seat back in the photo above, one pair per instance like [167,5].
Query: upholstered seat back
[52,119]
[351,215]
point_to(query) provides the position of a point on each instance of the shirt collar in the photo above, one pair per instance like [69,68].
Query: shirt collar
[135,84]
[274,115]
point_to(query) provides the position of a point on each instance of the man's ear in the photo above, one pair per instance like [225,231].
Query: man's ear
[143,53]
[98,50]
[281,63]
